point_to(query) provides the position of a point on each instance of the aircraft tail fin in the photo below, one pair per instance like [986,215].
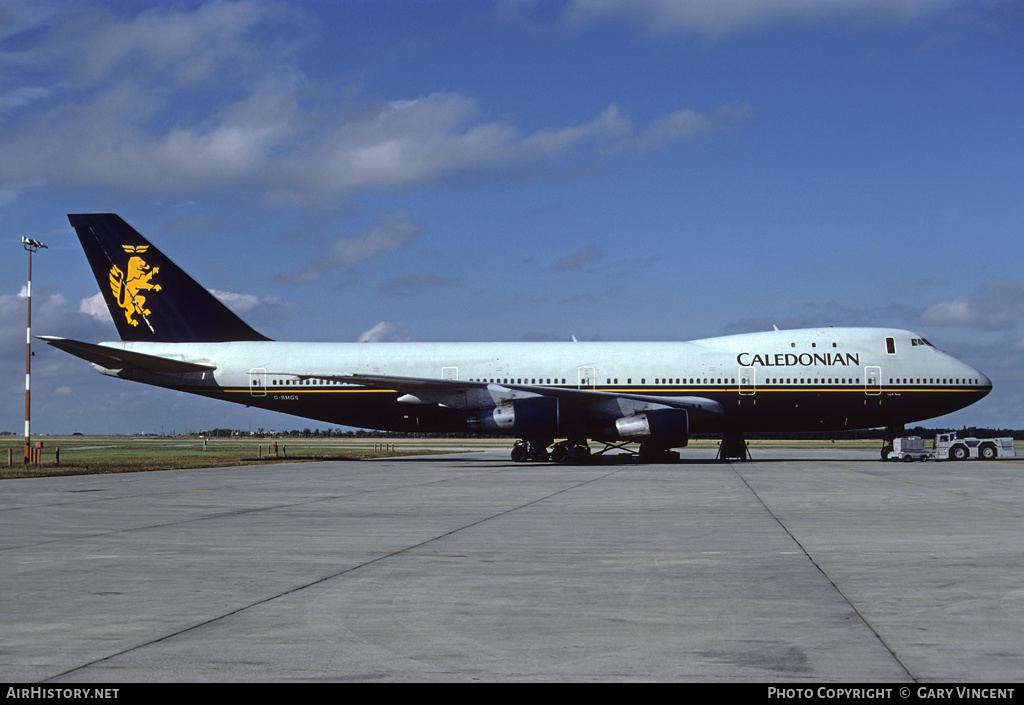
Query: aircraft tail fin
[149,297]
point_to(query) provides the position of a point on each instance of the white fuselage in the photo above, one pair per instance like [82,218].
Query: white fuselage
[791,379]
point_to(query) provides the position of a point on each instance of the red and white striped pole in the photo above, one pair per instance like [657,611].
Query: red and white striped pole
[30,245]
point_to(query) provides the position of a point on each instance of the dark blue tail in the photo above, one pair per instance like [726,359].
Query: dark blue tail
[149,297]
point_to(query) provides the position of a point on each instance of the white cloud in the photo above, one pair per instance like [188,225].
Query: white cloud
[380,332]
[415,281]
[830,313]
[434,137]
[688,124]
[412,285]
[391,233]
[996,305]
[94,306]
[611,123]
[242,304]
[578,258]
[187,46]
[21,18]
[245,303]
[178,100]
[265,138]
[713,18]
[258,311]
[957,312]
[22,96]
[51,315]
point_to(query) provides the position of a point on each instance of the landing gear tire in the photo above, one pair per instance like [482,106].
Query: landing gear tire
[519,452]
[581,454]
[560,453]
[566,452]
[535,451]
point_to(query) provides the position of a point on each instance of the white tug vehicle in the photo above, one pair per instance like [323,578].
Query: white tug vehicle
[946,446]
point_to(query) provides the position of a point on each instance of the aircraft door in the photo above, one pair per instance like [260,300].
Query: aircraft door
[258,381]
[587,377]
[449,373]
[873,380]
[748,381]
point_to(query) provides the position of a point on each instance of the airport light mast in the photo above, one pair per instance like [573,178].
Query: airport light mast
[31,246]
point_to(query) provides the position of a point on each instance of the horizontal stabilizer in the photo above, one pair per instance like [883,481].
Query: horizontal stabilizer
[117,359]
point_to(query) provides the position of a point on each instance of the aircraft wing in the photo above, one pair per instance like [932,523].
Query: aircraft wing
[117,359]
[465,394]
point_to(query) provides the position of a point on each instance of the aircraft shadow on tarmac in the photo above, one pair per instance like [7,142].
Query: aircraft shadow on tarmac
[612,460]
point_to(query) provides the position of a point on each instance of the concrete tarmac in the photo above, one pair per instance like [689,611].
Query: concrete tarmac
[798,566]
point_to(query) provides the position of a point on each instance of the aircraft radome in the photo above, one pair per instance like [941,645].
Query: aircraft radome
[555,397]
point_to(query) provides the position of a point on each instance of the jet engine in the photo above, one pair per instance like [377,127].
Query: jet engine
[668,428]
[532,417]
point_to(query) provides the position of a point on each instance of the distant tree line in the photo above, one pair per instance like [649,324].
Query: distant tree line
[863,434]
[879,434]
[321,433]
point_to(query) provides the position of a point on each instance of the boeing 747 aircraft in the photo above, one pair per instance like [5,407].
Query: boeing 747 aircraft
[555,397]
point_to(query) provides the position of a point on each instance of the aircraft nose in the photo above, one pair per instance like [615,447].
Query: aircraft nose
[982,384]
[985,382]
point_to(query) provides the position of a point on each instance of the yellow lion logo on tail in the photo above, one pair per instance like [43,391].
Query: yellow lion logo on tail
[126,288]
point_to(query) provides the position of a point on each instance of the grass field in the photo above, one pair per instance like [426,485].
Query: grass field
[111,454]
[81,455]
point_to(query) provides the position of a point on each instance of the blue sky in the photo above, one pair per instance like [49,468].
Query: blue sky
[516,170]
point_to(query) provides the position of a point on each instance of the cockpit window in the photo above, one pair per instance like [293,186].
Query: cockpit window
[920,341]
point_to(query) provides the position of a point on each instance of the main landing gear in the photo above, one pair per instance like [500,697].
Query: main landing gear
[732,447]
[537,451]
[565,452]
[533,450]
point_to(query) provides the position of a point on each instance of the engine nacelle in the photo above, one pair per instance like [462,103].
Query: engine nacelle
[665,427]
[533,417]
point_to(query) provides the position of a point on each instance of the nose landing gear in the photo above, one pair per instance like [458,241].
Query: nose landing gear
[733,447]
